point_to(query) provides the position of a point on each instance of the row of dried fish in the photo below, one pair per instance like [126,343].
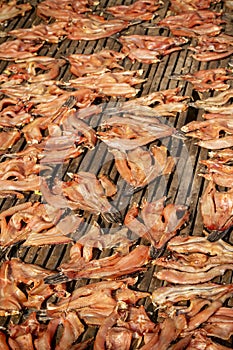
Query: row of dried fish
[71,10]
[69,137]
[180,6]
[36,224]
[36,108]
[121,328]
[116,83]
[217,121]
[39,99]
[149,49]
[146,49]
[189,260]
[142,9]
[76,20]
[203,24]
[24,102]
[215,133]
[143,48]
[207,79]
[112,303]
[211,43]
[40,224]
[193,260]
[194,23]
[12,9]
